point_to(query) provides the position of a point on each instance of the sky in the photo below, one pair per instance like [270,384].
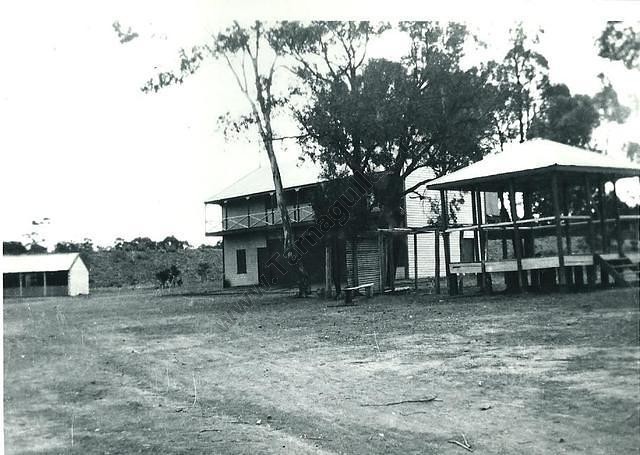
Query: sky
[82,146]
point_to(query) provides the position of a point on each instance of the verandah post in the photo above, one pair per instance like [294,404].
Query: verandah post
[618,228]
[591,277]
[474,221]
[556,213]
[481,236]
[604,275]
[437,258]
[565,210]
[603,218]
[476,235]
[567,233]
[445,237]
[591,235]
[516,234]
[415,260]
[392,262]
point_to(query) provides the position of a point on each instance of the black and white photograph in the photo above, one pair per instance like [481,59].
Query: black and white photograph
[320,228]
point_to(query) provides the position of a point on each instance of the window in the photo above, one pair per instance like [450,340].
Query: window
[241,261]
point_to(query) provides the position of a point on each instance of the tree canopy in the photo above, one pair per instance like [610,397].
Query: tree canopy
[565,118]
[620,42]
[384,116]
[13,248]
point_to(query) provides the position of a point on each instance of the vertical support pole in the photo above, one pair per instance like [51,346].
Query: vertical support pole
[474,214]
[565,211]
[481,236]
[44,284]
[503,235]
[445,237]
[567,233]
[20,283]
[591,234]
[381,261]
[603,217]
[437,256]
[415,260]
[591,277]
[248,212]
[223,261]
[392,262]
[516,233]
[327,271]
[602,209]
[476,235]
[618,227]
[556,213]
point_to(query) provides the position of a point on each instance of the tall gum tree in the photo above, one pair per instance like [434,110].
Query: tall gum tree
[251,53]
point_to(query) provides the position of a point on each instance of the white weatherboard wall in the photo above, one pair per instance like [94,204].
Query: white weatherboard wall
[250,243]
[420,214]
[78,278]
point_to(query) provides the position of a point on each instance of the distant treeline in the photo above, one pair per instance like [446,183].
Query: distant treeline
[137,262]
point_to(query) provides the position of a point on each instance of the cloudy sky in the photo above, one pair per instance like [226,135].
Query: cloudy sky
[80,144]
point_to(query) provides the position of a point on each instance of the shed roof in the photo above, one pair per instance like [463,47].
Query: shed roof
[529,161]
[38,262]
[260,180]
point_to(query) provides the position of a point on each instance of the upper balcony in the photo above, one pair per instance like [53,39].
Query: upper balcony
[302,213]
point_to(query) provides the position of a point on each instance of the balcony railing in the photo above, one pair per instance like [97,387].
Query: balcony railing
[298,214]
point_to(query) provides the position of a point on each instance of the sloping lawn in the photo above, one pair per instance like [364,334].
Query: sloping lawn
[143,373]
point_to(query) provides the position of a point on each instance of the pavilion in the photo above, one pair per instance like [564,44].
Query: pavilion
[571,177]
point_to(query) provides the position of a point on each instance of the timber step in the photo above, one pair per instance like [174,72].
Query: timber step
[624,272]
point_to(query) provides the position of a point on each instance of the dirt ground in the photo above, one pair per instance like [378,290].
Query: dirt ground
[142,373]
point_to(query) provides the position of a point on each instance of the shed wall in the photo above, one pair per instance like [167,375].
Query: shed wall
[78,278]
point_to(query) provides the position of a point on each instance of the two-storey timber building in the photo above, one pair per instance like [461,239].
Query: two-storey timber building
[250,224]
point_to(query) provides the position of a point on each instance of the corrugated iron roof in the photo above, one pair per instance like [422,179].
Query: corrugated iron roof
[261,181]
[38,262]
[533,155]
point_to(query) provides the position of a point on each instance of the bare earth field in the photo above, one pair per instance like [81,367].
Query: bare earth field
[142,373]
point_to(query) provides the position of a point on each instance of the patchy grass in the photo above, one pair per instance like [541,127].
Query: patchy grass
[142,373]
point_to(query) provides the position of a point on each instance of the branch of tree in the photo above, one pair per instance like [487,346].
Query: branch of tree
[298,136]
[414,187]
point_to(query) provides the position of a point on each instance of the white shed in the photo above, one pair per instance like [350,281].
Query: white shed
[42,275]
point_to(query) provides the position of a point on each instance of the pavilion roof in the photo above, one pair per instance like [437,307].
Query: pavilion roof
[530,163]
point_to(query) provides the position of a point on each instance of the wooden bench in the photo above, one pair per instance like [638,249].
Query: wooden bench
[350,292]
[398,290]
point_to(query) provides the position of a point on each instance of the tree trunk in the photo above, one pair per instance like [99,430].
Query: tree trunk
[394,217]
[287,230]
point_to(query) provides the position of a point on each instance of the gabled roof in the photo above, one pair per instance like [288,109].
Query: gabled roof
[261,181]
[38,262]
[531,159]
